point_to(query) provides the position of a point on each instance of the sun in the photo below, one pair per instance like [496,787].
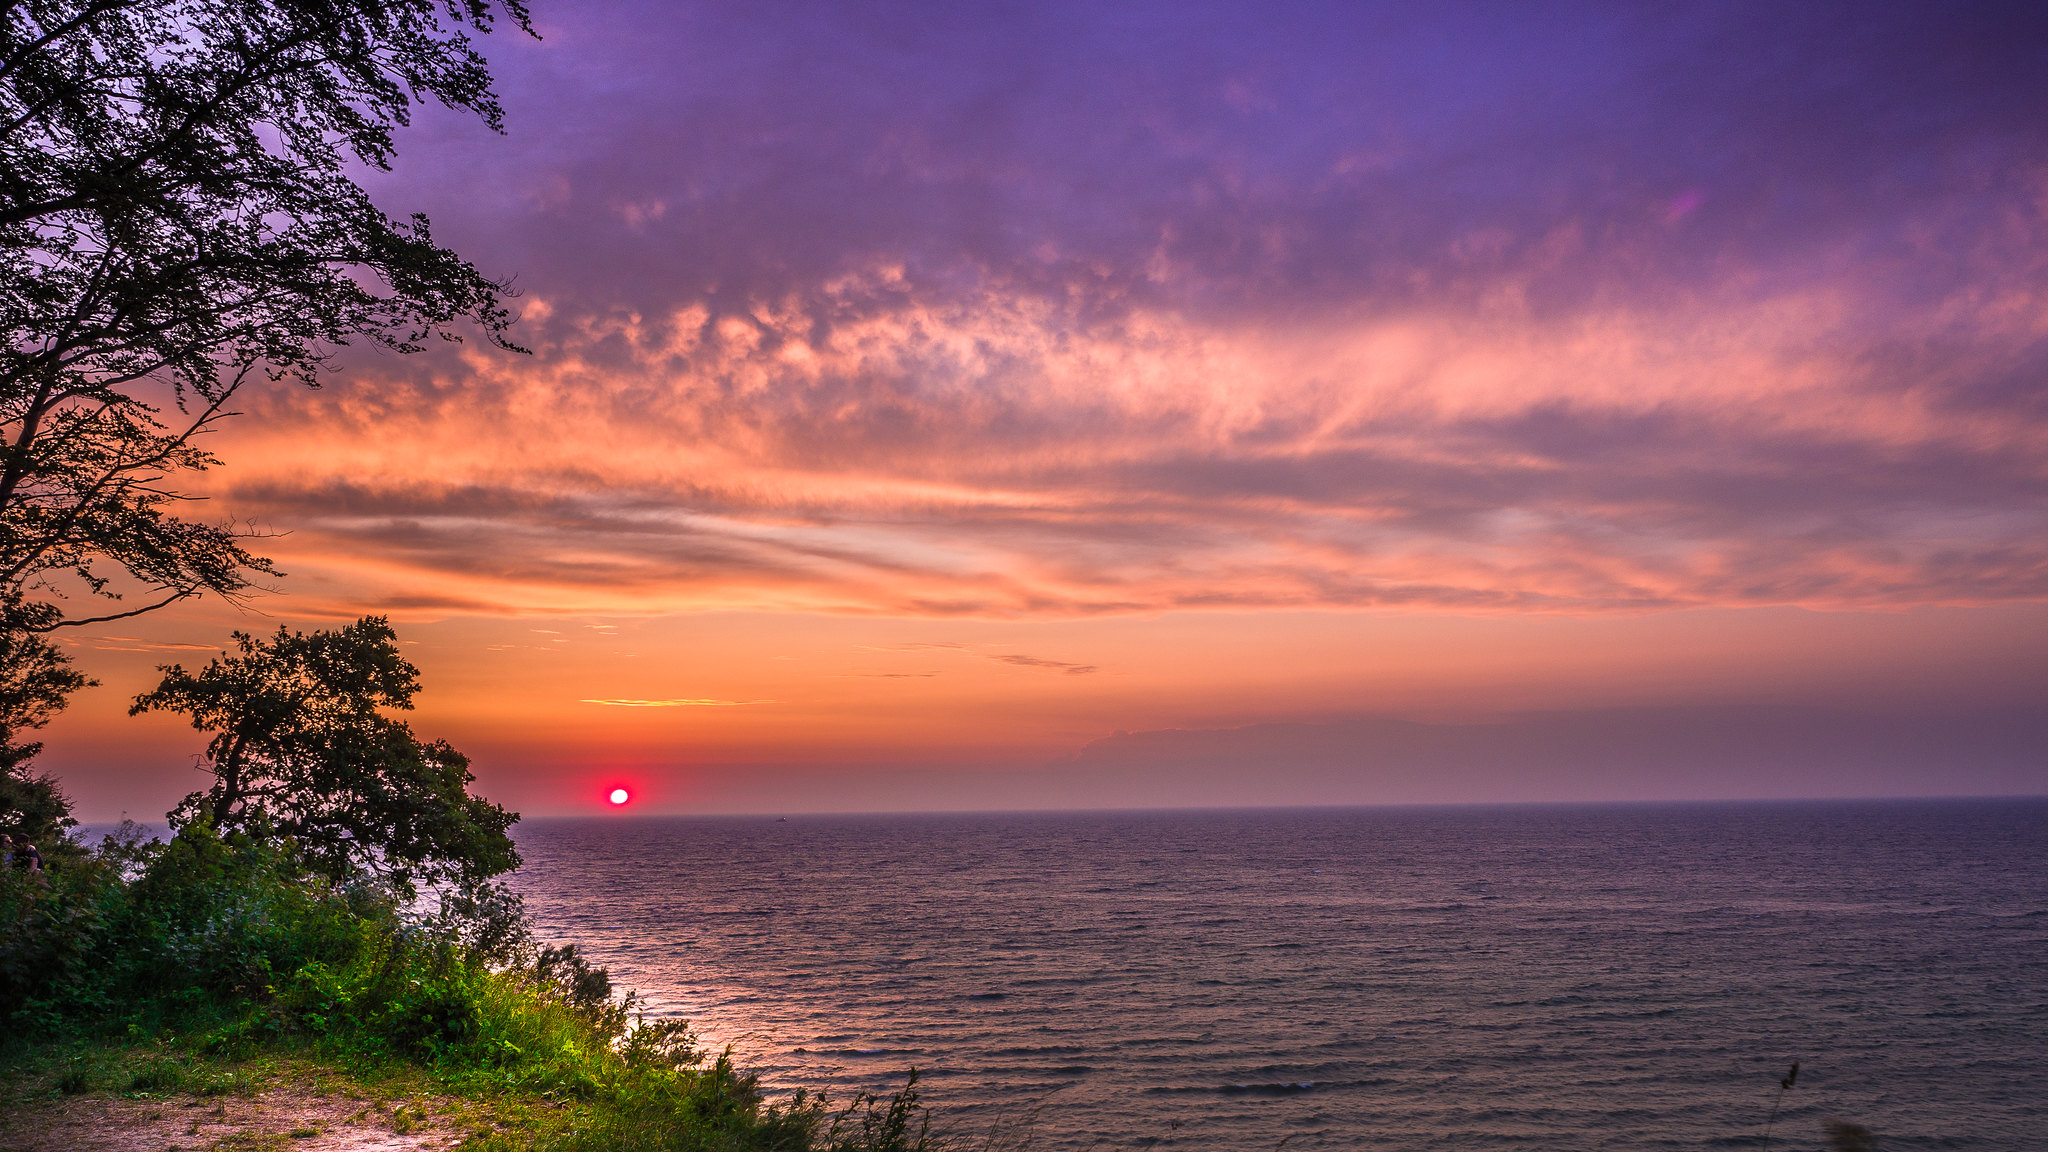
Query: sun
[620,796]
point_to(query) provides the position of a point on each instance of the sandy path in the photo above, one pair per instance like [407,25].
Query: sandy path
[276,1120]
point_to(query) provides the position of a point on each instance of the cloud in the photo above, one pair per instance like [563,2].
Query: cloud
[922,647]
[627,703]
[973,458]
[1065,320]
[1022,661]
[105,643]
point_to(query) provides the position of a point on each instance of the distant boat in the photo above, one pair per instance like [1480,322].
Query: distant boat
[782,819]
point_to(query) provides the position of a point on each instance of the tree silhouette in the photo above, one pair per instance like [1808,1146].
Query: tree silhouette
[177,219]
[35,680]
[301,749]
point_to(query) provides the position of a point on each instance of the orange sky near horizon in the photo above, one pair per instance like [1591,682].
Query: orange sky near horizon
[737,712]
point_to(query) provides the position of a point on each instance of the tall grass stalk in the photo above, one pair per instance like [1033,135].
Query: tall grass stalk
[1777,1102]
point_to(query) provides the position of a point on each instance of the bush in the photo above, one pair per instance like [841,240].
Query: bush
[202,922]
[53,925]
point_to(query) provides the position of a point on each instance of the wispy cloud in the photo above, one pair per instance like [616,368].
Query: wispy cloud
[679,703]
[1734,456]
[138,644]
[1022,661]
[929,647]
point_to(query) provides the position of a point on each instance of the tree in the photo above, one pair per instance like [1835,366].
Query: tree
[34,808]
[301,749]
[176,220]
[35,681]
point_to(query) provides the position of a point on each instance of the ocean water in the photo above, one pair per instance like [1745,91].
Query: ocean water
[1472,978]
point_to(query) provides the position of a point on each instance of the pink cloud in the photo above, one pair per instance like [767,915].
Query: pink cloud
[865,448]
[1066,320]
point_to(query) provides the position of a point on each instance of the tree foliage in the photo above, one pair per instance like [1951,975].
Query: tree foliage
[35,680]
[301,748]
[32,807]
[177,219]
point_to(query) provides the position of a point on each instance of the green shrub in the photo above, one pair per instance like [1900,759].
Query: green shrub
[217,916]
[75,1079]
[233,948]
[51,926]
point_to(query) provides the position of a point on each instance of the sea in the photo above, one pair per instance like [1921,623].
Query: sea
[1537,977]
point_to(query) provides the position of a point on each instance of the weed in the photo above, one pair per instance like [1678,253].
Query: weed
[405,1121]
[159,1075]
[225,1084]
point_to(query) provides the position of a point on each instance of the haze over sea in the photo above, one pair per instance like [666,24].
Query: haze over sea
[1472,978]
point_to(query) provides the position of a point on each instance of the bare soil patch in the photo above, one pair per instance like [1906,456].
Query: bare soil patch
[273,1119]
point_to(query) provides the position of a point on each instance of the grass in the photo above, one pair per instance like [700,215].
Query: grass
[211,969]
[595,1098]
[281,1093]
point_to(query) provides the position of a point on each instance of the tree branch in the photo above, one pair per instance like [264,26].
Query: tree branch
[168,600]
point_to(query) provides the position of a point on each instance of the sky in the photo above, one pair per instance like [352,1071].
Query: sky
[1162,404]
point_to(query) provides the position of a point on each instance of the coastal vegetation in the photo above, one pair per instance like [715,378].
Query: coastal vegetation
[151,966]
[334,898]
